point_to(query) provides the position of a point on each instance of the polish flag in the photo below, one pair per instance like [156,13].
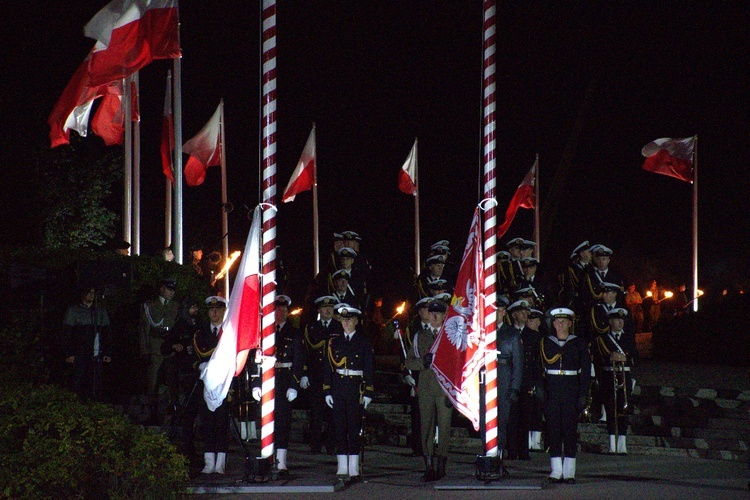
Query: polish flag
[167,132]
[672,157]
[458,351]
[108,121]
[204,149]
[407,176]
[303,177]
[72,110]
[523,198]
[129,35]
[240,331]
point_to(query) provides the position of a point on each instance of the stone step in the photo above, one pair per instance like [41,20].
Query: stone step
[668,442]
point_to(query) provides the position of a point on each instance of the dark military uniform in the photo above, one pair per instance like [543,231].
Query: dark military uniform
[349,378]
[290,362]
[509,375]
[526,415]
[88,338]
[590,290]
[214,424]
[158,316]
[316,339]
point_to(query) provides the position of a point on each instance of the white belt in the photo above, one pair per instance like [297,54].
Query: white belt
[283,365]
[618,369]
[349,373]
[562,372]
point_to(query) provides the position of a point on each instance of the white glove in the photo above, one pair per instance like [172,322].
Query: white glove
[409,380]
[329,401]
[291,394]
[367,401]
[304,382]
[256,393]
[202,365]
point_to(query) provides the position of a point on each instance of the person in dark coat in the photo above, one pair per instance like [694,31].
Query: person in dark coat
[566,365]
[349,388]
[509,375]
[88,344]
[528,425]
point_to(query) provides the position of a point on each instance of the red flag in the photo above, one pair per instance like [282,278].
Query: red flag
[459,346]
[72,110]
[204,149]
[241,328]
[407,176]
[129,35]
[672,157]
[108,121]
[167,133]
[303,176]
[523,198]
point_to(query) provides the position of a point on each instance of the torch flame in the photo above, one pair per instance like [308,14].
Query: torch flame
[649,293]
[295,312]
[668,294]
[700,292]
[400,309]
[234,256]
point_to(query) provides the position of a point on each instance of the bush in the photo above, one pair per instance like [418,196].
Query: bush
[52,445]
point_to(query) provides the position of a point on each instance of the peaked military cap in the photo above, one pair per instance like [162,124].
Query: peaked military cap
[437,306]
[562,312]
[341,273]
[536,313]
[346,252]
[435,259]
[519,305]
[283,300]
[605,286]
[325,301]
[618,313]
[347,311]
[216,301]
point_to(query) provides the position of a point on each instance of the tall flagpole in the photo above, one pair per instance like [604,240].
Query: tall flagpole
[417,258]
[490,226]
[316,227]
[127,176]
[537,209]
[695,225]
[137,169]
[179,254]
[167,181]
[268,187]
[224,204]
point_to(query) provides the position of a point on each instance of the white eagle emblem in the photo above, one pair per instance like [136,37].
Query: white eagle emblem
[463,327]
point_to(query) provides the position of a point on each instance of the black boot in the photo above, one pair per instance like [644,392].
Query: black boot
[441,467]
[429,472]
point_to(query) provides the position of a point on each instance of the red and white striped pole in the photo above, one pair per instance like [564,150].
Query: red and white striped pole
[490,227]
[268,195]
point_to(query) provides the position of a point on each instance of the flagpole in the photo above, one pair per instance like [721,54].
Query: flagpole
[137,169]
[224,204]
[490,226]
[537,239]
[695,224]
[127,176]
[168,182]
[268,187]
[179,254]
[417,258]
[316,227]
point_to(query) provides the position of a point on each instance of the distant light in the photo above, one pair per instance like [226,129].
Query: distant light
[295,312]
[724,292]
[668,294]
[649,293]
[700,292]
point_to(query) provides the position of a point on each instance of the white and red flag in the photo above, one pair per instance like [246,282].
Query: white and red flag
[407,176]
[672,157]
[129,35]
[167,133]
[240,331]
[524,197]
[72,110]
[303,176]
[204,150]
[459,348]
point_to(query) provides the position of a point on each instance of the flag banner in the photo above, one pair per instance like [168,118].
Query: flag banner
[72,110]
[303,176]
[204,150]
[408,174]
[240,331]
[524,197]
[167,133]
[672,157]
[460,344]
[109,120]
[129,35]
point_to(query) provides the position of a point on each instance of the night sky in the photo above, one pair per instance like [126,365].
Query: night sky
[584,86]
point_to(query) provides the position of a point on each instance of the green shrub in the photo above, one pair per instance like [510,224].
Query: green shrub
[52,445]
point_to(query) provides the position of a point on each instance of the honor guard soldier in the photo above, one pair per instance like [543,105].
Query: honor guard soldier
[434,269]
[349,390]
[509,374]
[597,274]
[434,407]
[616,353]
[566,366]
[531,278]
[316,336]
[411,377]
[158,316]
[361,268]
[214,424]
[357,282]
[340,290]
[570,281]
[512,268]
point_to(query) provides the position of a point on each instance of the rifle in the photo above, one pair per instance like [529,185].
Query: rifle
[403,351]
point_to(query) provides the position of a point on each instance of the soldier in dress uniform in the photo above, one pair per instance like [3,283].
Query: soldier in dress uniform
[349,388]
[509,374]
[340,289]
[411,377]
[571,279]
[434,406]
[597,274]
[214,424]
[566,364]
[357,281]
[361,268]
[532,278]
[512,269]
[158,316]
[434,268]
[616,353]
[316,336]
